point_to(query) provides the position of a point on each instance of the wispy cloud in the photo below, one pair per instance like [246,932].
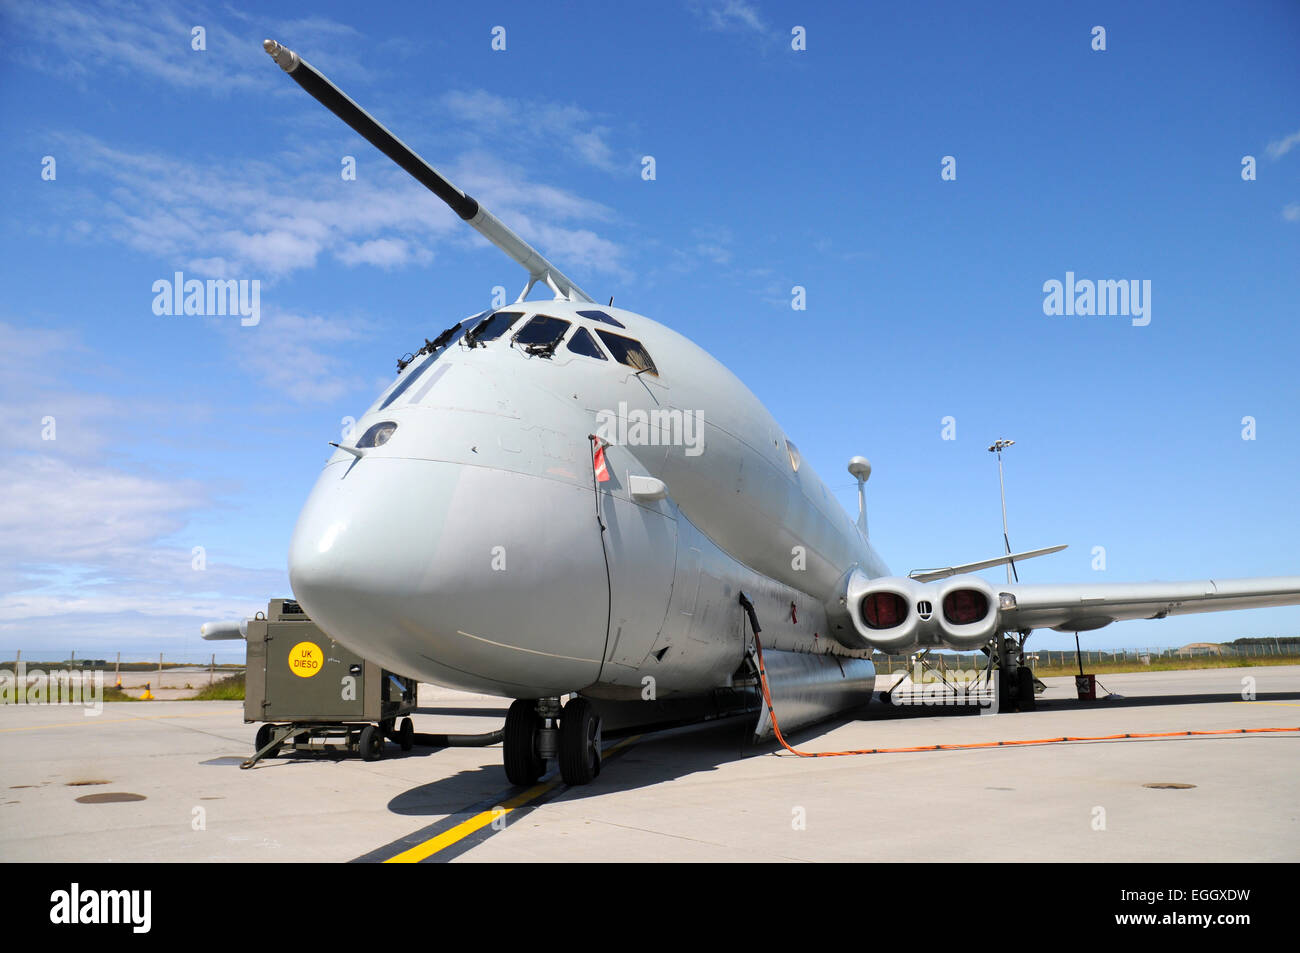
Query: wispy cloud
[258,219]
[302,356]
[1280,147]
[585,137]
[145,41]
[1292,212]
[729,16]
[91,540]
[148,41]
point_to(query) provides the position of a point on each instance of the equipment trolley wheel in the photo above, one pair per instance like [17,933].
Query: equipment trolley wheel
[263,739]
[372,743]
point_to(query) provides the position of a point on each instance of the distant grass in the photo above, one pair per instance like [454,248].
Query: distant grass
[114,694]
[1165,665]
[230,688]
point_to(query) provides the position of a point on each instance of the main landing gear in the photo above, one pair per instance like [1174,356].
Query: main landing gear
[538,731]
[1016,684]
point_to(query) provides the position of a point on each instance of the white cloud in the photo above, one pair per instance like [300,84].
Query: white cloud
[1281,147]
[89,549]
[383,253]
[729,15]
[256,219]
[299,355]
[150,41]
[581,134]
[1292,212]
[60,512]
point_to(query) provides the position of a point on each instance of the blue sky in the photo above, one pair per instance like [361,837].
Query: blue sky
[774,168]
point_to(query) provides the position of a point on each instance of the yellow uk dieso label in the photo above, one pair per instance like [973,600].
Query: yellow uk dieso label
[306,659]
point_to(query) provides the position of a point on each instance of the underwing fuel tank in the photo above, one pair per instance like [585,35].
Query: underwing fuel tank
[810,688]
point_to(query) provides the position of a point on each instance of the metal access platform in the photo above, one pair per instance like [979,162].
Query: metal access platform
[313,694]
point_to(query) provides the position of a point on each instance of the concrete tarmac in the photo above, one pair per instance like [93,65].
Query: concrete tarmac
[699,793]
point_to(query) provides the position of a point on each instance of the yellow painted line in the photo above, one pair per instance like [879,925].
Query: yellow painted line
[481,820]
[462,830]
[93,720]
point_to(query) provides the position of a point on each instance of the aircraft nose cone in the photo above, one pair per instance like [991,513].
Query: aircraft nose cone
[467,576]
[364,546]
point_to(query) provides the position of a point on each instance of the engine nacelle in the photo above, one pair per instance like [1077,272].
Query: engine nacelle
[896,614]
[967,611]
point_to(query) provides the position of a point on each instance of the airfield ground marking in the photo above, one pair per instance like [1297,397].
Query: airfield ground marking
[94,720]
[483,820]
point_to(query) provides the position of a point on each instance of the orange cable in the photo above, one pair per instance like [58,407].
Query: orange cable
[776,728]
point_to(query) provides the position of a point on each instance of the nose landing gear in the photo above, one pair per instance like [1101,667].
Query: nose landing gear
[537,731]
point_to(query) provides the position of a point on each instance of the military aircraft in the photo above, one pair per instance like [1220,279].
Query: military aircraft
[562,498]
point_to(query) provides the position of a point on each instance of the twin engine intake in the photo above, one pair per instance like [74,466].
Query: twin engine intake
[896,615]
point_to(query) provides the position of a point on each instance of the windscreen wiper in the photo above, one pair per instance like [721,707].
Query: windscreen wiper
[429,346]
[542,350]
[441,340]
[472,335]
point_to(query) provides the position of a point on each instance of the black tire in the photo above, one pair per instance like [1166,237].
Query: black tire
[523,766]
[406,735]
[1026,698]
[886,698]
[372,743]
[1007,691]
[264,735]
[579,742]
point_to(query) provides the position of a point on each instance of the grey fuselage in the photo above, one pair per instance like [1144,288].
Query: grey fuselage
[467,550]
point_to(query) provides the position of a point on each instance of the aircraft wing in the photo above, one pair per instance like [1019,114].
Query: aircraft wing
[1081,607]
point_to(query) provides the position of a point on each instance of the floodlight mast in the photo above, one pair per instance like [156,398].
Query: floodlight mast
[483,221]
[997,447]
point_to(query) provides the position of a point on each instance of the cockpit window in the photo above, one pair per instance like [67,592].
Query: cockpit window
[492,327]
[603,317]
[795,459]
[583,343]
[540,335]
[377,434]
[627,351]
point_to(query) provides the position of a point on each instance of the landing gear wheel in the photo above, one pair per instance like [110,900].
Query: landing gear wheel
[1007,691]
[1026,699]
[263,739]
[406,734]
[523,766]
[372,743]
[579,742]
[886,698]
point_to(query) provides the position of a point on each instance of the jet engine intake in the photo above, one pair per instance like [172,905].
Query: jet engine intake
[895,614]
[968,611]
